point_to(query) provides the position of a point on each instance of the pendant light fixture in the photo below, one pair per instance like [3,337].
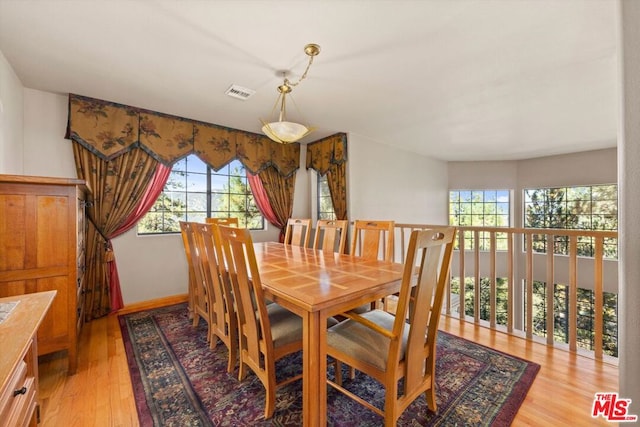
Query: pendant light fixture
[281,130]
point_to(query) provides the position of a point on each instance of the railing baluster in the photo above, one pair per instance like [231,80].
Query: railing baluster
[461,304]
[476,275]
[510,278]
[492,277]
[550,288]
[573,293]
[529,281]
[598,310]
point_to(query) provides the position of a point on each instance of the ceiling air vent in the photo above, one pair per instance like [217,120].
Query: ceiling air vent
[239,92]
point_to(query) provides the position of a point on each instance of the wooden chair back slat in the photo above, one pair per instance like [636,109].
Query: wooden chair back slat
[369,237]
[297,232]
[331,235]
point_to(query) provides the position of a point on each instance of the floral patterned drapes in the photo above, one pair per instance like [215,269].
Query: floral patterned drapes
[329,156]
[117,149]
[117,186]
[108,130]
[279,190]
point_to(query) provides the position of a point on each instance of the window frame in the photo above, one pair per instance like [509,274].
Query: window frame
[500,211]
[321,183]
[202,188]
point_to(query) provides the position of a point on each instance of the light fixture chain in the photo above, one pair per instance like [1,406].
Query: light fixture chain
[304,75]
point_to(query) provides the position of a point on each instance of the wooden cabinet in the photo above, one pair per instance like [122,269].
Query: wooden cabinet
[42,229]
[19,357]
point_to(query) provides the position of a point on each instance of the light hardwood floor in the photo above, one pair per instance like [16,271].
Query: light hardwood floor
[100,394]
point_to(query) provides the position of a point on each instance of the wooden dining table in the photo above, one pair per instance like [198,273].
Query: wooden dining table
[317,285]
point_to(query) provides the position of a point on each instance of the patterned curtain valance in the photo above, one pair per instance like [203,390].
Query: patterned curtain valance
[328,151]
[108,130]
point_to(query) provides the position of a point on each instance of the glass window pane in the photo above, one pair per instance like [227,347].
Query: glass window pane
[194,164]
[197,201]
[324,202]
[176,181]
[477,196]
[196,182]
[238,203]
[489,196]
[502,196]
[180,165]
[219,182]
[175,201]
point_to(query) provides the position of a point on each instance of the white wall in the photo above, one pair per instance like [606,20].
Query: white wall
[585,168]
[483,175]
[11,120]
[387,183]
[46,151]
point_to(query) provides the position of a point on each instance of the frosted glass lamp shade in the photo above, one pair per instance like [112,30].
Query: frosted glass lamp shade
[285,132]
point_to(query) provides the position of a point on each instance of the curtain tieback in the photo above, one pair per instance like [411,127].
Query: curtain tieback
[108,248]
[108,252]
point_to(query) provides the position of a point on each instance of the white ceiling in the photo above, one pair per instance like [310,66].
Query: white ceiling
[455,80]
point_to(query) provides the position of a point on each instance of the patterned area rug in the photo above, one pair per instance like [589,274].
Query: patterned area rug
[179,381]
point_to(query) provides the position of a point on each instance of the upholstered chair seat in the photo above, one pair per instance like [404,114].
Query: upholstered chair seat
[286,328]
[363,343]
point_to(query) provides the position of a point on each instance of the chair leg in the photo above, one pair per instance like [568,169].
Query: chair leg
[270,399]
[214,340]
[431,400]
[391,412]
[242,372]
[232,359]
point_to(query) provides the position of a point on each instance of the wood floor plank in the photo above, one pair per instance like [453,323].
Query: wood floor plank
[100,394]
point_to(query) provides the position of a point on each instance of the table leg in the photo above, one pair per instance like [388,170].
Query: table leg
[314,390]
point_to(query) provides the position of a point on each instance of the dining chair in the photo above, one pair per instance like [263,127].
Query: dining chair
[267,332]
[297,232]
[201,295]
[223,321]
[331,235]
[371,239]
[369,236]
[185,229]
[222,221]
[389,347]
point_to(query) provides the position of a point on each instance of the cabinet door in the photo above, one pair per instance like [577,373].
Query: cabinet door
[36,225]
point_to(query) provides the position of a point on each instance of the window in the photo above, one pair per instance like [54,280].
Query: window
[480,208]
[195,191]
[325,205]
[581,207]
[585,207]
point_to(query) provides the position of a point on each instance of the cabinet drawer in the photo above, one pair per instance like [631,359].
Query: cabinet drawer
[23,405]
[16,382]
